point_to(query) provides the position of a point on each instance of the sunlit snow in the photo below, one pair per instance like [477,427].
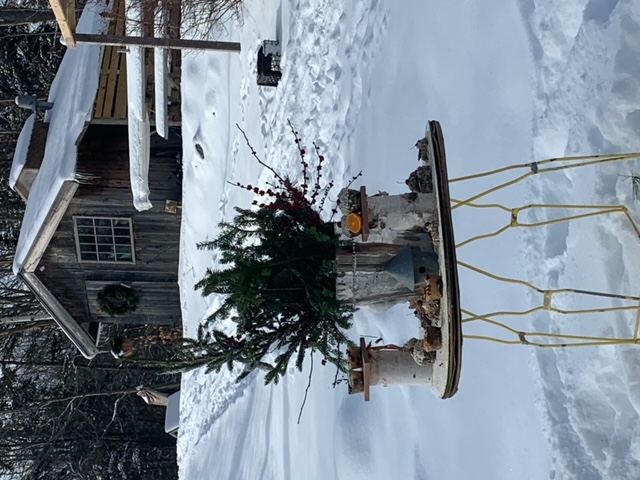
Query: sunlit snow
[510,82]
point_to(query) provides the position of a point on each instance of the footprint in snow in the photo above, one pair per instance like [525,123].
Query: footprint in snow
[200,150]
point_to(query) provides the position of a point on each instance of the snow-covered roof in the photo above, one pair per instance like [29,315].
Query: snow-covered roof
[22,149]
[73,94]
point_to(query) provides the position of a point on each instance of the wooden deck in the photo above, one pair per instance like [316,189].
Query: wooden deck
[111,101]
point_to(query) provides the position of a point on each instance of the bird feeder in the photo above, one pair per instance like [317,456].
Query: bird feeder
[400,249]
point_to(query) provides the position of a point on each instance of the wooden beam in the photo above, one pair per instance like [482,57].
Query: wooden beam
[365,213]
[49,226]
[150,42]
[366,369]
[72,329]
[65,12]
[120,106]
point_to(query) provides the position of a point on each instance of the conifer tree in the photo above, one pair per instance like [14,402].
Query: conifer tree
[278,277]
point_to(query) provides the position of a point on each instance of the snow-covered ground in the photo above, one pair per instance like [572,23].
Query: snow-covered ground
[509,82]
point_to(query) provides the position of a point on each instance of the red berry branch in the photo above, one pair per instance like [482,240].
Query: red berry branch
[287,195]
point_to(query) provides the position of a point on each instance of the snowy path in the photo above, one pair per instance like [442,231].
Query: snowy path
[588,102]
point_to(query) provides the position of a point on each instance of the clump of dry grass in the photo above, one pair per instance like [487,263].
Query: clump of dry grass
[635,184]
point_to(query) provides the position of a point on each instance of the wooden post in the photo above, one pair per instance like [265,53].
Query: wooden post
[150,42]
[366,370]
[397,367]
[65,13]
[365,213]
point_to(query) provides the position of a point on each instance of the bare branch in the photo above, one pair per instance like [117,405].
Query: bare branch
[306,391]
[255,155]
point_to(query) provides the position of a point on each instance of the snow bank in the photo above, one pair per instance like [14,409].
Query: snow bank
[587,102]
[361,79]
[22,150]
[73,94]
[137,115]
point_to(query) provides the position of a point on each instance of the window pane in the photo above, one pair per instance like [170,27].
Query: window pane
[121,231]
[89,257]
[103,222]
[124,253]
[105,240]
[87,239]
[105,248]
[86,231]
[84,221]
[87,247]
[106,257]
[103,231]
[122,241]
[122,222]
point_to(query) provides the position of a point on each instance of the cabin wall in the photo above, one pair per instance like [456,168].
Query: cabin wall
[37,144]
[105,191]
[35,156]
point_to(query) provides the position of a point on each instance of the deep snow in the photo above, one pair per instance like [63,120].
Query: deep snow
[510,82]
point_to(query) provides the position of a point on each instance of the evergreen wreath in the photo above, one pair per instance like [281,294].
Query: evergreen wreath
[117,300]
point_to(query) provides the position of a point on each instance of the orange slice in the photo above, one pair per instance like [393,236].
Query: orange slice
[354,223]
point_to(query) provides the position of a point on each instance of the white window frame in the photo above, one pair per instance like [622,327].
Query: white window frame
[113,254]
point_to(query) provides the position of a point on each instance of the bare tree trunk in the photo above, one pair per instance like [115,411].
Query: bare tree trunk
[21,16]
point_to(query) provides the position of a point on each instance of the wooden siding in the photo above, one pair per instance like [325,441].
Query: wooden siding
[111,101]
[105,191]
[35,155]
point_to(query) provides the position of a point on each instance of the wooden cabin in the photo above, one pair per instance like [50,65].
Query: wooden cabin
[102,240]
[80,232]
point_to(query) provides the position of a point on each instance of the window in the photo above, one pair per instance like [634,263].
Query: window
[104,239]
